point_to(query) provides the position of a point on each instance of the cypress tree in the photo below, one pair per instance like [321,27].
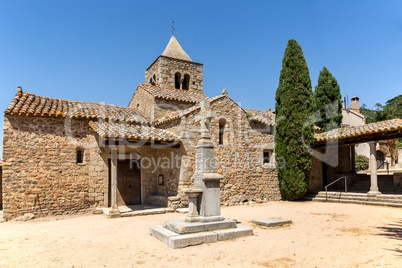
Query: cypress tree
[294,133]
[328,101]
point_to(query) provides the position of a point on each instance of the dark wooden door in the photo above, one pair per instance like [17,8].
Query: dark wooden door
[128,182]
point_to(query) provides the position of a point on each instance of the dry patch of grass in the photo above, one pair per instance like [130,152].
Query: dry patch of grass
[355,230]
[283,262]
[332,215]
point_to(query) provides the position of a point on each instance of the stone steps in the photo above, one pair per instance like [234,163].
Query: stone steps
[392,200]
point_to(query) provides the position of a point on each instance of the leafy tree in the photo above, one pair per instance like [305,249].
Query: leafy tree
[293,129]
[328,100]
[391,110]
[393,107]
[374,115]
[361,162]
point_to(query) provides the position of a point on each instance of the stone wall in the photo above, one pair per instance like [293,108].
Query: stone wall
[239,159]
[316,179]
[40,172]
[165,68]
[1,183]
[143,102]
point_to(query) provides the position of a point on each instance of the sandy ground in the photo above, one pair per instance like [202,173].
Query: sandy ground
[322,235]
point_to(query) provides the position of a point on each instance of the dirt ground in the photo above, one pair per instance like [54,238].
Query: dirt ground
[322,235]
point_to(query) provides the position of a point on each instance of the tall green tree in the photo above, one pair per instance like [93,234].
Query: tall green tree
[293,129]
[328,100]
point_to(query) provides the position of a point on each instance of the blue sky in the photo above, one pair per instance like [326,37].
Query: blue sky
[98,50]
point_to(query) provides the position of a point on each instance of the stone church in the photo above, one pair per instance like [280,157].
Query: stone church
[65,157]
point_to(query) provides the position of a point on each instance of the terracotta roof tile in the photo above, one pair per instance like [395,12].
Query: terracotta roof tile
[265,117]
[173,94]
[131,131]
[354,132]
[28,104]
[178,114]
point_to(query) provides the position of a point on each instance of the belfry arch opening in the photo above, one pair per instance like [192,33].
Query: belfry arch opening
[186,82]
[177,78]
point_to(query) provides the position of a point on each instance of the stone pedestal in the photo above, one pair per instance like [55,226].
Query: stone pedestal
[193,214]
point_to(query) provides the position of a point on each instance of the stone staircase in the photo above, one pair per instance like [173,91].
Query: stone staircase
[392,200]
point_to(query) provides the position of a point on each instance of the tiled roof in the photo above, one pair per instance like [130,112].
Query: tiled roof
[369,132]
[131,131]
[178,114]
[173,94]
[265,117]
[29,104]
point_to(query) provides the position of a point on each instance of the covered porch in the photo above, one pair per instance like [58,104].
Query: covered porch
[143,168]
[334,161]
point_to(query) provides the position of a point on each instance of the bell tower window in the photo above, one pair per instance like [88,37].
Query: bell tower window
[152,80]
[177,78]
[186,81]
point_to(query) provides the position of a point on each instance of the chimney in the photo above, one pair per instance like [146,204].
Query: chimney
[355,104]
[19,91]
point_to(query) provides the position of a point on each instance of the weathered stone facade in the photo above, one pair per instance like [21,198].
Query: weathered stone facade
[239,159]
[41,175]
[1,183]
[62,157]
[163,70]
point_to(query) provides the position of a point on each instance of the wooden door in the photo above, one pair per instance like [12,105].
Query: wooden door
[128,182]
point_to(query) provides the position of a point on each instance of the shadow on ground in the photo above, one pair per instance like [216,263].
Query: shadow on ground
[393,231]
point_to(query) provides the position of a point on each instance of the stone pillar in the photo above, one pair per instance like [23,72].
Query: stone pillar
[114,212]
[373,171]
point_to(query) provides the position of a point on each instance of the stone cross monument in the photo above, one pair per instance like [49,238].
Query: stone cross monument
[204,223]
[205,177]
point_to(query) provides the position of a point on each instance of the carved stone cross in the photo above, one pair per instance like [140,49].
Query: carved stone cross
[205,118]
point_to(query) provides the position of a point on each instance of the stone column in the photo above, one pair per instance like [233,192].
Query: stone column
[373,171]
[114,212]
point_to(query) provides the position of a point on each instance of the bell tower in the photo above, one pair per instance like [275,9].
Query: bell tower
[174,69]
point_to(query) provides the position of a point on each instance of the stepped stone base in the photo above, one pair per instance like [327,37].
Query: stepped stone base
[183,227]
[176,240]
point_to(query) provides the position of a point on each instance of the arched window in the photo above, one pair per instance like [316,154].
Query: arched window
[177,78]
[186,82]
[222,123]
